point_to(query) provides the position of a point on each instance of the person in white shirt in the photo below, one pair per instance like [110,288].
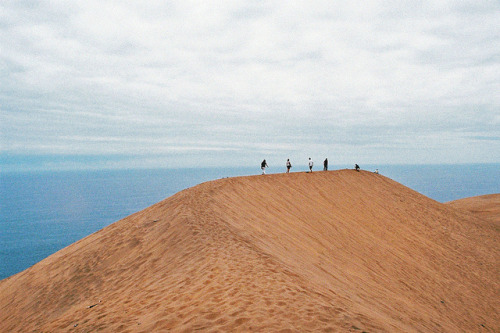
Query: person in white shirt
[311,163]
[288,165]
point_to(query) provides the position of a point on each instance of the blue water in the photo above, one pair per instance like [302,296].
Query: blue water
[43,212]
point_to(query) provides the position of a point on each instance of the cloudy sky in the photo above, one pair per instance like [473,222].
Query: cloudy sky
[127,84]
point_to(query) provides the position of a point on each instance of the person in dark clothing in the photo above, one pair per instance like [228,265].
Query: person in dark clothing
[325,165]
[263,166]
[356,167]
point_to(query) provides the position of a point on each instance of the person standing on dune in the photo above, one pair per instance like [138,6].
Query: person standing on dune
[325,165]
[311,163]
[263,166]
[288,165]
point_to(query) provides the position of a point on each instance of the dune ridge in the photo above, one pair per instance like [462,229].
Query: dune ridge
[324,251]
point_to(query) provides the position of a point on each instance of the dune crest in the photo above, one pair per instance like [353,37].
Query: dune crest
[327,251]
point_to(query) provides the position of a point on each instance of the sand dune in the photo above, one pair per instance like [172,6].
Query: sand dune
[485,206]
[332,251]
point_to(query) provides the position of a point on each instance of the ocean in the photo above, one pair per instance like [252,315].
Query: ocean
[43,212]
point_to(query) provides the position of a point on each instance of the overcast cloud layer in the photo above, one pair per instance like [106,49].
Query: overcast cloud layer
[211,83]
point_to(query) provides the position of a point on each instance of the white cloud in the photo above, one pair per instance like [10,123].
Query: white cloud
[305,78]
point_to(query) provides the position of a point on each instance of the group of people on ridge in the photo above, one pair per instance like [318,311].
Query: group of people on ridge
[264,165]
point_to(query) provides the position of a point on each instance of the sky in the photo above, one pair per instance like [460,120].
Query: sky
[171,84]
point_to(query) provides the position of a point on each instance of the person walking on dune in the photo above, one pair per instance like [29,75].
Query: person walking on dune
[311,163]
[263,166]
[356,167]
[325,165]
[288,165]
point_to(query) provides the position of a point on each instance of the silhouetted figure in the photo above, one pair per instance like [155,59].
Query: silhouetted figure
[263,166]
[288,165]
[356,167]
[325,165]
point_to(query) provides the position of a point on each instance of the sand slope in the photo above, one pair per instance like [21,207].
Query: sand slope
[327,251]
[484,206]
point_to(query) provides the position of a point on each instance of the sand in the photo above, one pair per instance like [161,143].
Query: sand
[485,206]
[336,251]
